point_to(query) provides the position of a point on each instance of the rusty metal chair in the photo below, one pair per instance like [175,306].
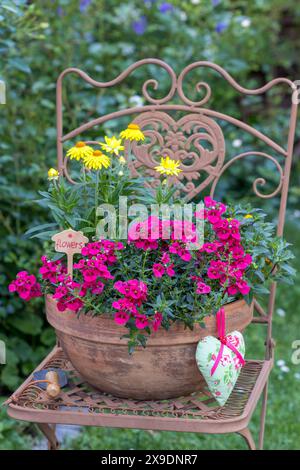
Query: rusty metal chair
[79,403]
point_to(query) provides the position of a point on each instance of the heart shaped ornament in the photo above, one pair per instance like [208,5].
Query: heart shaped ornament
[220,365]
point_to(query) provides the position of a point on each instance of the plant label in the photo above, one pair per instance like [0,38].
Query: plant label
[70,242]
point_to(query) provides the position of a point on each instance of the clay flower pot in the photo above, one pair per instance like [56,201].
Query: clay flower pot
[166,368]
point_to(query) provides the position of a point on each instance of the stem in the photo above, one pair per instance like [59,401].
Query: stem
[96,196]
[144,263]
[129,152]
[85,202]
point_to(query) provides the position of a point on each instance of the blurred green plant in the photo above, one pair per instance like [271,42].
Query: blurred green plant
[255,41]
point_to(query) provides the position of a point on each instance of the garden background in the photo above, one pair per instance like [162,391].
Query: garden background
[255,41]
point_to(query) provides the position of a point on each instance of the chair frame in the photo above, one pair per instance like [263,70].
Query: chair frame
[156,113]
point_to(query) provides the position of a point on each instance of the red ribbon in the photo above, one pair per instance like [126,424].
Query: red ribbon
[224,341]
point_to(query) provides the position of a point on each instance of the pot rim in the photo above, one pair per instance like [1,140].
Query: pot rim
[102,328]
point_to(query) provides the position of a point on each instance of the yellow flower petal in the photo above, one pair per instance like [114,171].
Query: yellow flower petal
[168,167]
[53,174]
[79,151]
[133,132]
[112,145]
[96,161]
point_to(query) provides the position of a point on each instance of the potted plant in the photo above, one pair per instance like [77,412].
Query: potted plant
[132,314]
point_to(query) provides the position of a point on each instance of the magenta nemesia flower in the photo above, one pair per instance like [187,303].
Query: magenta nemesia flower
[158,270]
[157,321]
[141,321]
[170,270]
[125,305]
[203,288]
[121,317]
[26,286]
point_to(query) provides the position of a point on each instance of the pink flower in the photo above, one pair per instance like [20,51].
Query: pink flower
[211,247]
[103,249]
[213,216]
[213,273]
[125,305]
[202,288]
[158,270]
[223,233]
[60,291]
[202,214]
[243,287]
[170,270]
[141,321]
[90,275]
[244,262]
[52,270]
[98,288]
[179,250]
[165,259]
[157,321]
[132,289]
[212,204]
[121,317]
[26,286]
[233,289]
[75,304]
[70,303]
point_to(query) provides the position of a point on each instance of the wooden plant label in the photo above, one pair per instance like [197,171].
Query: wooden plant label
[69,242]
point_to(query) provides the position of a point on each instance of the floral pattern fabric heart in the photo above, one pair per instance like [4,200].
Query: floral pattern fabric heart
[222,381]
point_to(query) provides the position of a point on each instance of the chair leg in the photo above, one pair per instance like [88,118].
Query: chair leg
[49,433]
[263,417]
[246,434]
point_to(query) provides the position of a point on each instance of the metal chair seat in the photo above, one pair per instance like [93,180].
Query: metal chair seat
[80,404]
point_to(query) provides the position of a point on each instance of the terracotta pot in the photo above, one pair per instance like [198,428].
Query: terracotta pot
[166,368]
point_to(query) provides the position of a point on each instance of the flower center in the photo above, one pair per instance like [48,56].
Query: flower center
[97,153]
[134,127]
[80,144]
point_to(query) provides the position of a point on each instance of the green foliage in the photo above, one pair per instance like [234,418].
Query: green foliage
[13,435]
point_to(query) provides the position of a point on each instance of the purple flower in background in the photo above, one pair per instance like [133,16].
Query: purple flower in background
[215,2]
[165,7]
[140,26]
[84,4]
[60,11]
[221,26]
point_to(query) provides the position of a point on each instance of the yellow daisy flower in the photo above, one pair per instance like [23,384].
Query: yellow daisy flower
[53,174]
[248,216]
[168,167]
[133,132]
[80,151]
[112,145]
[96,161]
[122,160]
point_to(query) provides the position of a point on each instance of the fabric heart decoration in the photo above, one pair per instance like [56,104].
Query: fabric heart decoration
[220,360]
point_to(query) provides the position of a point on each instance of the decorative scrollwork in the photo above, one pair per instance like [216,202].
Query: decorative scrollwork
[203,85]
[258,181]
[196,140]
[150,82]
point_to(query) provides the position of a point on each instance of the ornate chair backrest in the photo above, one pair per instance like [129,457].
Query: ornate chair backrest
[196,139]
